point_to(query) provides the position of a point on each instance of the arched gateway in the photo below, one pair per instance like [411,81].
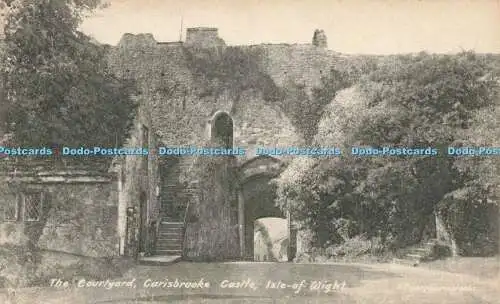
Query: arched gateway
[256,198]
[224,203]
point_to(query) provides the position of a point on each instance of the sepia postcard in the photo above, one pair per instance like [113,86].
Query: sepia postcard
[247,151]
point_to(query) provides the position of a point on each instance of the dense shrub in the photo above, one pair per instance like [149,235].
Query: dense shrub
[58,87]
[231,69]
[473,226]
[414,101]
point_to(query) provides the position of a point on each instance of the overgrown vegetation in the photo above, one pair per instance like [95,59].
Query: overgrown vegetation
[58,88]
[232,69]
[414,101]
[305,110]
[17,267]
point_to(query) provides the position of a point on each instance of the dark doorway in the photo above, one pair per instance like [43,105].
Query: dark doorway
[143,199]
[222,130]
[259,196]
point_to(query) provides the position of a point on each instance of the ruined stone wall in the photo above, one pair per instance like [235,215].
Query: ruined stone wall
[211,222]
[87,225]
[139,174]
[300,63]
[11,232]
[79,214]
[178,105]
[319,39]
[258,123]
[203,37]
[164,81]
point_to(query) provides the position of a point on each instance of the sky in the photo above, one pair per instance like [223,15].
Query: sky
[351,26]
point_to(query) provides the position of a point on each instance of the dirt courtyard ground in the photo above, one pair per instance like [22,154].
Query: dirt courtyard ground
[288,283]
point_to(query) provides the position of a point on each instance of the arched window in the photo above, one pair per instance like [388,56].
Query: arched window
[222,130]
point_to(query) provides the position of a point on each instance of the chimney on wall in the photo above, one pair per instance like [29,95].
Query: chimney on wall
[319,39]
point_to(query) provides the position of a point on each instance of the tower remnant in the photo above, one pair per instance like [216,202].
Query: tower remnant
[319,39]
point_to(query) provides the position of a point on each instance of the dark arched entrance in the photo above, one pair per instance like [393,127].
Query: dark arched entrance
[257,200]
[222,130]
[259,195]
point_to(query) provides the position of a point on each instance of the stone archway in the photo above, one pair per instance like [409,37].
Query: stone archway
[221,130]
[258,195]
[256,199]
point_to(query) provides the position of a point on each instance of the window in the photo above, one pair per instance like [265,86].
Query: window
[11,211]
[222,130]
[32,203]
[23,207]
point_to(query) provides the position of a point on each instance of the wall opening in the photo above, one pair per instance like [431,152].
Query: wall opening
[222,130]
[259,196]
[270,240]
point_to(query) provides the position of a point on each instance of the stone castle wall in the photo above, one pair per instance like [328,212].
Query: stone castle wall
[179,112]
[211,221]
[299,63]
[178,108]
[79,213]
[203,37]
[139,177]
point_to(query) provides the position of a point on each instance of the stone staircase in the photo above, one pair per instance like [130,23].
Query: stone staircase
[414,255]
[170,238]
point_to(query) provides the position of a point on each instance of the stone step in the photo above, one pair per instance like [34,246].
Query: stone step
[414,256]
[168,246]
[159,260]
[171,239]
[173,229]
[164,223]
[419,251]
[165,228]
[170,236]
[431,243]
[168,252]
[422,250]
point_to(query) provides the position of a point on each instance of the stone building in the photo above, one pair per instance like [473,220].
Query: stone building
[204,208]
[200,208]
[195,207]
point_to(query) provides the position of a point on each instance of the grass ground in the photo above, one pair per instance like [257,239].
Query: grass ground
[18,272]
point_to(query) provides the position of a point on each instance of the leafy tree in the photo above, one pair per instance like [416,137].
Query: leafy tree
[305,109]
[58,86]
[415,101]
[232,69]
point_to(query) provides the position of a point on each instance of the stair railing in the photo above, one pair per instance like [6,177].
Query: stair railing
[153,234]
[195,162]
